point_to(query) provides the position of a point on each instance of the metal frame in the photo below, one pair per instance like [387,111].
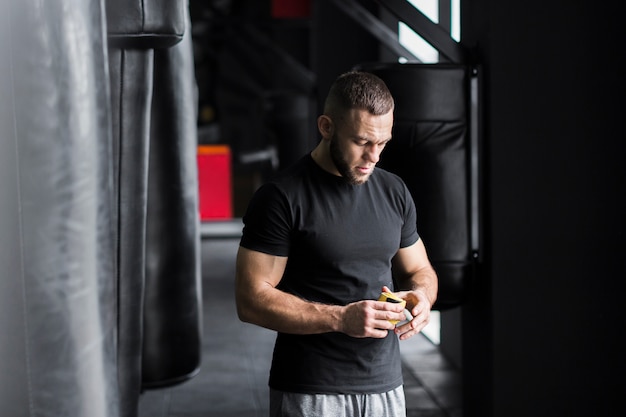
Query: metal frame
[375,27]
[475,135]
[433,33]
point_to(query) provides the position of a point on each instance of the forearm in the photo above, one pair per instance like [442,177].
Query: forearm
[260,302]
[423,280]
[277,310]
[414,272]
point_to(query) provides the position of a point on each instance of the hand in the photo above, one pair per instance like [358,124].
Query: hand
[370,318]
[419,306]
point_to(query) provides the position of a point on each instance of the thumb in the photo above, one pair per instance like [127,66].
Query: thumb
[386,289]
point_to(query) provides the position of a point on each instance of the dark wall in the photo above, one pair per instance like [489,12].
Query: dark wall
[340,43]
[543,332]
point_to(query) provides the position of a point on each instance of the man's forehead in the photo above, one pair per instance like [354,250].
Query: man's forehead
[361,116]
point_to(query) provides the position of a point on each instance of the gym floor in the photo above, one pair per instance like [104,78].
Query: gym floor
[236,356]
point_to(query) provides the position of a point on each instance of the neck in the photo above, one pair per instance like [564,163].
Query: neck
[321,156]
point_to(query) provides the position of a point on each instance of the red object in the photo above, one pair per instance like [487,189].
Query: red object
[282,9]
[214,182]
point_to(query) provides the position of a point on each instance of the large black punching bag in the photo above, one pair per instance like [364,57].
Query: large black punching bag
[140,35]
[131,93]
[172,297]
[58,301]
[430,151]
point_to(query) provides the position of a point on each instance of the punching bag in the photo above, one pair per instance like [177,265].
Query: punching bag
[154,189]
[172,297]
[58,301]
[130,73]
[288,119]
[430,151]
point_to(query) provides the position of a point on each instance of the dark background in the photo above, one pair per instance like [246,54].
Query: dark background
[543,330]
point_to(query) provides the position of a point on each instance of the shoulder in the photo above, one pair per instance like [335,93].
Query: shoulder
[388,179]
[280,190]
[391,187]
[292,175]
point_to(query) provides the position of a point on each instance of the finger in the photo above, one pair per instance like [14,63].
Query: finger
[408,335]
[387,321]
[386,306]
[377,333]
[408,330]
[404,328]
[380,315]
[387,315]
[413,327]
[420,309]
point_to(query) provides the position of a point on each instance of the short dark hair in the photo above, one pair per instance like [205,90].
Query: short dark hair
[358,90]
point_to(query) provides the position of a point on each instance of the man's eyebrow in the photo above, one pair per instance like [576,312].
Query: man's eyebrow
[362,138]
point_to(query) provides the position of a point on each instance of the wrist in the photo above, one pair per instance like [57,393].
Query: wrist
[330,317]
[424,294]
[337,316]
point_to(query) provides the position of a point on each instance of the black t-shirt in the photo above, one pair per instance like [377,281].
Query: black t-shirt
[339,239]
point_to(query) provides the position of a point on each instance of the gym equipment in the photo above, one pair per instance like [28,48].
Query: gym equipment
[431,152]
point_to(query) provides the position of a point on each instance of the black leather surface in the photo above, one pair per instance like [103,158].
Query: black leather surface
[430,151]
[131,94]
[74,154]
[145,24]
[289,116]
[57,298]
[154,128]
[172,309]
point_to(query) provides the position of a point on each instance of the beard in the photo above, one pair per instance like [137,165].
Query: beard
[352,176]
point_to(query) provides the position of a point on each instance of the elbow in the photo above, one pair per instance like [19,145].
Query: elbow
[242,311]
[245,309]
[244,314]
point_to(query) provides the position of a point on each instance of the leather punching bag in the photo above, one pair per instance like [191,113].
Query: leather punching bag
[154,189]
[130,73]
[430,151]
[172,303]
[58,301]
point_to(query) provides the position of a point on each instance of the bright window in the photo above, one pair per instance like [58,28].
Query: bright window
[415,43]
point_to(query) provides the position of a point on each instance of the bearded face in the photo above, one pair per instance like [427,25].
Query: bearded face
[356,144]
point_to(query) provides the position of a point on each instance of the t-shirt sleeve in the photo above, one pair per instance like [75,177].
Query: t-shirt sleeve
[267,222]
[409,228]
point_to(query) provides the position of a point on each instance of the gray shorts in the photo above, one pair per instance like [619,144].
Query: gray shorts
[291,404]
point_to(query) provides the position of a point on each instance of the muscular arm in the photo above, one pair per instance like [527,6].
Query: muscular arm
[418,284]
[260,302]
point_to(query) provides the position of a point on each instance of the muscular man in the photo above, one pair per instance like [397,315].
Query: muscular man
[320,243]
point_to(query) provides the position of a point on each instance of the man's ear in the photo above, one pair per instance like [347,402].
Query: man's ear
[325,126]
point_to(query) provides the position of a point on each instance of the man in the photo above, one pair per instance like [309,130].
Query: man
[318,247]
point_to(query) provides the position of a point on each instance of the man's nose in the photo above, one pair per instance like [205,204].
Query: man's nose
[372,153]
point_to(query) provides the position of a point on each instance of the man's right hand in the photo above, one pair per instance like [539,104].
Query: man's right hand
[370,318]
